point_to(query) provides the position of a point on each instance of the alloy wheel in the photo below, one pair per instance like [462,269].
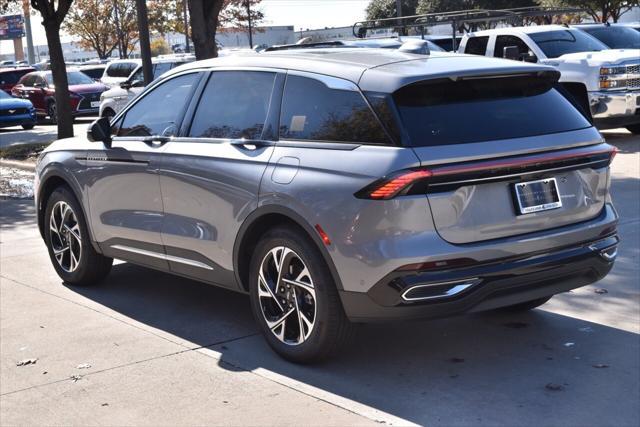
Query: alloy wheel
[65,236]
[287,295]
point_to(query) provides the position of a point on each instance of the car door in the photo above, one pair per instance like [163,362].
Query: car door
[122,181]
[38,95]
[210,178]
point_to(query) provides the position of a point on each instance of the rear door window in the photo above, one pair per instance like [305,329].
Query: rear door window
[312,111]
[161,110]
[476,45]
[504,41]
[234,105]
[161,68]
[443,112]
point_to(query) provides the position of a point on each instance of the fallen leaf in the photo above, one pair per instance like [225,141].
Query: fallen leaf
[105,404]
[601,291]
[83,366]
[45,373]
[26,362]
[569,344]
[554,387]
[600,365]
[586,329]
[75,378]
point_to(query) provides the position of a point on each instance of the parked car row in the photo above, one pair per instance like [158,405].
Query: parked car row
[16,112]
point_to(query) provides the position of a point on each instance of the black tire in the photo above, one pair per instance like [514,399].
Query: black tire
[331,328]
[634,129]
[52,113]
[28,127]
[526,306]
[91,267]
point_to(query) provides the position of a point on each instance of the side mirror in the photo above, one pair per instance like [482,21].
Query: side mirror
[529,57]
[137,83]
[100,131]
[511,52]
[125,85]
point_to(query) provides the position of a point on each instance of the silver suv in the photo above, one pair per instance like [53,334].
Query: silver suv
[340,185]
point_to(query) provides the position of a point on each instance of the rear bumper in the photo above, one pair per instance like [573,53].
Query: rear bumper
[489,285]
[611,109]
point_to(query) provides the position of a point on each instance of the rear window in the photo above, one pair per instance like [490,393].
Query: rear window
[477,45]
[94,73]
[312,111]
[443,112]
[121,69]
[12,77]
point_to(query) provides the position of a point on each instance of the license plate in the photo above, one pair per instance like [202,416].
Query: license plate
[537,196]
[95,104]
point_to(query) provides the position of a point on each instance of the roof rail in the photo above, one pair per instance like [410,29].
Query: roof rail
[515,16]
[304,46]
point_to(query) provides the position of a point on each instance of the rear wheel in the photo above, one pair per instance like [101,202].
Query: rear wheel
[67,239]
[28,127]
[108,113]
[528,305]
[294,298]
[634,129]
[52,112]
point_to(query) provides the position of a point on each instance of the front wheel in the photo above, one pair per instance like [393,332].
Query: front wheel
[67,238]
[634,129]
[294,298]
[52,112]
[28,127]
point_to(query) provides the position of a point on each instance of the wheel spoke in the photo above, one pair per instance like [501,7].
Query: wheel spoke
[262,283]
[273,325]
[307,287]
[75,232]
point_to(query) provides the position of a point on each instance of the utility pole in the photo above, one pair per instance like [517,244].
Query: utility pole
[187,48]
[27,26]
[249,20]
[399,15]
[145,48]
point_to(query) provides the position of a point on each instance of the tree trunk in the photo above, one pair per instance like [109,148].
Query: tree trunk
[204,22]
[59,73]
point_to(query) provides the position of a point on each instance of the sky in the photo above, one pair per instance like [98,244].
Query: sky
[299,13]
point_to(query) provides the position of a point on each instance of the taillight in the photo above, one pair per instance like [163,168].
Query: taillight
[389,187]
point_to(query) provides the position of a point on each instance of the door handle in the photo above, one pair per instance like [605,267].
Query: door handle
[255,143]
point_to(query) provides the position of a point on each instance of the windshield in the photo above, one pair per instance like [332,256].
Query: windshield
[557,43]
[74,78]
[4,95]
[616,37]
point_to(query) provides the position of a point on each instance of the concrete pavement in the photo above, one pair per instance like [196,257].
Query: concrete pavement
[169,351]
[43,133]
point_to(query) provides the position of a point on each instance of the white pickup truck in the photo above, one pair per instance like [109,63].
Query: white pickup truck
[605,82]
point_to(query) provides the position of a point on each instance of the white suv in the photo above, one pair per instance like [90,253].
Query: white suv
[605,82]
[117,71]
[114,100]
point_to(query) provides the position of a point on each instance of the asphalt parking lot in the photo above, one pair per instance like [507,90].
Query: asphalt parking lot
[147,348]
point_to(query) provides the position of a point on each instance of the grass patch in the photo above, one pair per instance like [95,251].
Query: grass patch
[22,151]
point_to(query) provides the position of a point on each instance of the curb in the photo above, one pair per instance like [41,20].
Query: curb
[18,164]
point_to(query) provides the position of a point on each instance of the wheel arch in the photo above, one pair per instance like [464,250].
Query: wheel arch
[256,224]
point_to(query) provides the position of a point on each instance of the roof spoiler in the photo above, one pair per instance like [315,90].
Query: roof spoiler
[314,45]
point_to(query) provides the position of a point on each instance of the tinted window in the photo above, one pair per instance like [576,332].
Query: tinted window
[477,45]
[312,111]
[234,105]
[160,110]
[444,113]
[121,69]
[73,78]
[12,77]
[160,69]
[616,37]
[28,80]
[94,73]
[561,42]
[137,76]
[504,41]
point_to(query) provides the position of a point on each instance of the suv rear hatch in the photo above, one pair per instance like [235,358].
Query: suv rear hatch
[505,155]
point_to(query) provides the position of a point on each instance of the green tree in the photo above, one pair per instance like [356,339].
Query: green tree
[598,10]
[380,9]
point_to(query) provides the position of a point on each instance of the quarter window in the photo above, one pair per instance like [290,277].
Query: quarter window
[160,111]
[313,111]
[476,45]
[234,105]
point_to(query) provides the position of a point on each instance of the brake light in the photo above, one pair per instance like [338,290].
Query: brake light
[394,185]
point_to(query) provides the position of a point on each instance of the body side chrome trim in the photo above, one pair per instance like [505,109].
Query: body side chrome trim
[162,256]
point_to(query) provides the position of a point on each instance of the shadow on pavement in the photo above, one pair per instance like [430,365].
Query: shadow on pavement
[491,368]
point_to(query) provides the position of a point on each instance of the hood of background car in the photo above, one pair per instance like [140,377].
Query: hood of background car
[6,104]
[611,56]
[88,88]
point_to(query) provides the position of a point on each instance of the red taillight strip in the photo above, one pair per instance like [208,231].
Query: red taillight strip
[522,161]
[401,182]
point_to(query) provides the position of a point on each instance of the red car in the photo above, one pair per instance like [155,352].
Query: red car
[38,88]
[9,77]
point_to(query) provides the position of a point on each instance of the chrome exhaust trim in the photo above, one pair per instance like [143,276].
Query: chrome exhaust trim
[432,291]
